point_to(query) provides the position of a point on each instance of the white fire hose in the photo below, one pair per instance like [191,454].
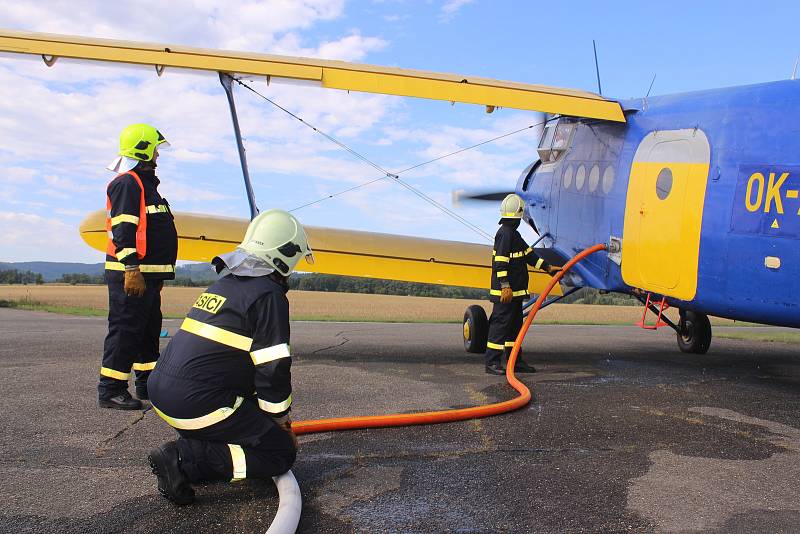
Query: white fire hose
[290,505]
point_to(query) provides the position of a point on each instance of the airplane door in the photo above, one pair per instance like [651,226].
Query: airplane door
[664,212]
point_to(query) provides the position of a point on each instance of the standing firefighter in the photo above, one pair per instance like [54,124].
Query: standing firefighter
[141,254]
[511,257]
[224,381]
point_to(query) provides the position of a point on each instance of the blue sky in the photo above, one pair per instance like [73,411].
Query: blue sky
[60,124]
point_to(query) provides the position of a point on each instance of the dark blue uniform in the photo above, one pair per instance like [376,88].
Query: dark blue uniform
[223,379]
[511,257]
[134,323]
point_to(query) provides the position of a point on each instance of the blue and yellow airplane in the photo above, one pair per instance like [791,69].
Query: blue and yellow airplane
[697,195]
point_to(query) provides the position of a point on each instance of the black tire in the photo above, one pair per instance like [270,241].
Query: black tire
[695,334]
[476,329]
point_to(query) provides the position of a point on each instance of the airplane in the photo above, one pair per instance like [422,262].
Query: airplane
[696,195]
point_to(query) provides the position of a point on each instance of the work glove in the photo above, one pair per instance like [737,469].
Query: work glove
[506,295]
[134,283]
[285,423]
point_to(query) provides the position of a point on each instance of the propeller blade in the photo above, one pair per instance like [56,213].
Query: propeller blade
[460,195]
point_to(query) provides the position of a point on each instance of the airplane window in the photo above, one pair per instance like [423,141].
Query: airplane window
[580,177]
[608,179]
[569,172]
[664,183]
[594,178]
[562,135]
[547,136]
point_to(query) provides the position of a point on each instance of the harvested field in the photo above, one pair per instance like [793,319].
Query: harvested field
[333,306]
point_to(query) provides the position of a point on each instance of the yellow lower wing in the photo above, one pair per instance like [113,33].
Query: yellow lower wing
[343,252]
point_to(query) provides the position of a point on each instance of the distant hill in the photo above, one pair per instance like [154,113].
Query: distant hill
[53,270]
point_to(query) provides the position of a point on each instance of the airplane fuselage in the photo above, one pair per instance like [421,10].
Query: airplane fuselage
[703,192]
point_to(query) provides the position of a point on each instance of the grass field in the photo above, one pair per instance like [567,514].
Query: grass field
[312,305]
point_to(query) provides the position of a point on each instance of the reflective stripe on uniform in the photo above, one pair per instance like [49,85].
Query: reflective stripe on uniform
[268,354]
[133,219]
[117,266]
[111,373]
[521,253]
[539,263]
[499,258]
[196,423]
[495,346]
[146,366]
[125,252]
[501,274]
[275,407]
[519,293]
[510,343]
[160,208]
[238,461]
[215,333]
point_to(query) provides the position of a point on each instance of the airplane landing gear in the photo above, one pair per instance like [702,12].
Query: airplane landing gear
[694,334]
[476,329]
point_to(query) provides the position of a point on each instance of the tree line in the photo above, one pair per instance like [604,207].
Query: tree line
[339,284]
[15,276]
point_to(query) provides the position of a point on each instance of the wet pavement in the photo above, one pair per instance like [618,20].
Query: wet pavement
[624,434]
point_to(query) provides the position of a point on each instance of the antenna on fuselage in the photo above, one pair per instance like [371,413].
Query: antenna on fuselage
[651,85]
[597,68]
[794,71]
[644,100]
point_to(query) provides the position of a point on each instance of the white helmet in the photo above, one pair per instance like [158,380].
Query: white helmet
[512,207]
[278,238]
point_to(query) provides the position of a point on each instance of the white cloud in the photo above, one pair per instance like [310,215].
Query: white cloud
[350,48]
[451,7]
[27,236]
[17,175]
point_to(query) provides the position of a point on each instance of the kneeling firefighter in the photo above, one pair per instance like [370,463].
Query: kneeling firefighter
[224,381]
[511,257]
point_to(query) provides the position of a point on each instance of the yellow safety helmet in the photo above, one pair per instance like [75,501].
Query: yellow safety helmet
[139,141]
[279,239]
[512,207]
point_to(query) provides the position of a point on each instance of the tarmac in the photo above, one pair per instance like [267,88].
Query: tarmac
[624,434]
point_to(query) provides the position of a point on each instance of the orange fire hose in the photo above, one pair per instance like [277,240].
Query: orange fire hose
[448,416]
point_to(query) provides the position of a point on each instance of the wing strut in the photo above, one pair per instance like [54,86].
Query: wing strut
[227,82]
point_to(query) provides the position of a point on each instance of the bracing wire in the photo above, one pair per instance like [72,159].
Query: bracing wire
[309,125]
[394,176]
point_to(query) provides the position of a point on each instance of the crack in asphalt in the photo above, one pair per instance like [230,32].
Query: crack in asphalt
[102,446]
[346,340]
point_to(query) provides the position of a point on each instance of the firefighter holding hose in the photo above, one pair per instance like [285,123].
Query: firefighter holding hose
[224,381]
[511,257]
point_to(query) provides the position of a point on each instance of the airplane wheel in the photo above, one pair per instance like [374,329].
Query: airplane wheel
[476,329]
[695,334]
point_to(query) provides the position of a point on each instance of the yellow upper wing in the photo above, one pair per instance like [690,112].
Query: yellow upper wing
[326,73]
[343,252]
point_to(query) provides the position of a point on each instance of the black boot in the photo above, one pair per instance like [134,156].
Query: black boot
[141,392]
[121,401]
[521,366]
[495,369]
[172,483]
